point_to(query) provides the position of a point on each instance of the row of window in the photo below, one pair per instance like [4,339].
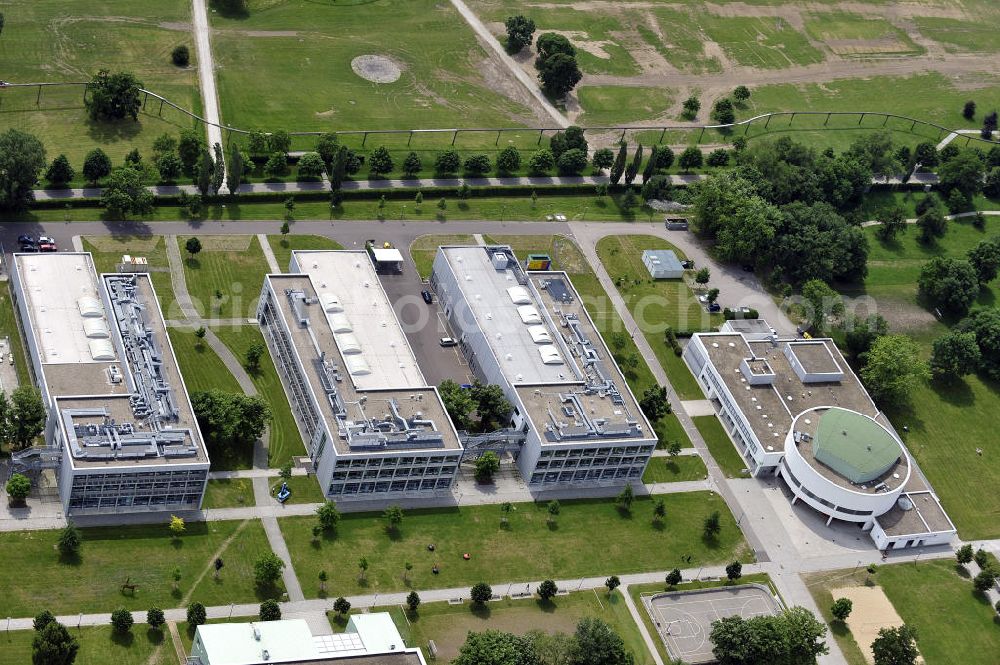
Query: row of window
[340,489]
[376,462]
[585,474]
[399,472]
[174,500]
[597,461]
[749,440]
[563,453]
[787,473]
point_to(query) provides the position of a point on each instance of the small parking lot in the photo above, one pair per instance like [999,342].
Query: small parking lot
[424,326]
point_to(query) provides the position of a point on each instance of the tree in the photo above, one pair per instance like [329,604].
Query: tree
[279,141]
[276,165]
[625,498]
[654,403]
[486,465]
[712,295]
[155,618]
[269,610]
[718,157]
[42,619]
[926,154]
[125,194]
[723,112]
[541,162]
[572,162]
[991,184]
[821,301]
[18,487]
[254,353]
[480,593]
[632,170]
[218,168]
[955,354]
[989,125]
[491,404]
[311,165]
[27,415]
[712,526]
[895,646]
[547,589]
[180,56]
[965,173]
[659,511]
[380,161]
[650,167]
[964,554]
[703,276]
[861,333]
[520,31]
[741,93]
[230,419]
[394,516]
[59,172]
[53,645]
[618,167]
[969,110]
[691,107]
[892,221]
[598,644]
[412,164]
[121,620]
[985,259]
[804,636]
[602,159]
[176,526]
[553,509]
[841,609]
[22,158]
[948,284]
[984,581]
[509,160]
[612,583]
[113,96]
[551,43]
[458,403]
[932,224]
[192,245]
[477,165]
[893,368]
[691,158]
[363,567]
[134,158]
[267,569]
[413,601]
[559,73]
[734,571]
[170,167]
[447,162]
[196,615]
[69,540]
[657,188]
[190,148]
[341,605]
[673,577]
[493,647]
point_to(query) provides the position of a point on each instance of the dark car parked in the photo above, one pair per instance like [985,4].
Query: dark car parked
[426,295]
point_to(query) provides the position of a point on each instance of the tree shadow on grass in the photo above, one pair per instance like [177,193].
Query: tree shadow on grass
[659,525]
[192,263]
[547,606]
[962,571]
[154,636]
[125,640]
[553,525]
[70,559]
[953,391]
[395,534]
[480,611]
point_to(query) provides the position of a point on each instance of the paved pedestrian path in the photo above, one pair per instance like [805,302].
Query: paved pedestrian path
[272,262]
[206,75]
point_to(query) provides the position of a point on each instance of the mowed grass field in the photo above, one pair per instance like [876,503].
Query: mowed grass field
[618,105]
[720,446]
[287,65]
[674,469]
[99,645]
[530,548]
[232,267]
[63,41]
[954,623]
[35,577]
[283,246]
[448,624]
[947,422]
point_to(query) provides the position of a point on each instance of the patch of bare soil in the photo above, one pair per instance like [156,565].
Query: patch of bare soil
[177,27]
[792,14]
[377,68]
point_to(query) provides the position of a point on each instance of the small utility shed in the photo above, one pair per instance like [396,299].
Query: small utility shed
[662,264]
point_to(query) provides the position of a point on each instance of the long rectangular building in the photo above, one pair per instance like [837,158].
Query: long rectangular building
[121,430]
[372,425]
[529,333]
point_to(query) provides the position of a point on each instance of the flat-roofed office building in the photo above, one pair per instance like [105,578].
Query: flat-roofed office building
[529,333]
[121,430]
[372,425]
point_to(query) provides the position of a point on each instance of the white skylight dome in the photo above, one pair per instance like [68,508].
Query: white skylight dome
[529,314]
[519,295]
[540,335]
[90,306]
[101,350]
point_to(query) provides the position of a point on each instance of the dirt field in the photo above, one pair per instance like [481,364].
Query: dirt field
[872,612]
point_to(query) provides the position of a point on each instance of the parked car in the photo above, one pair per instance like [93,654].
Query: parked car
[715,307]
[448,341]
[25,239]
[47,247]
[29,248]
[46,240]
[426,295]
[703,299]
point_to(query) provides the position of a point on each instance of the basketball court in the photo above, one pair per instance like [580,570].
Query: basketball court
[684,618]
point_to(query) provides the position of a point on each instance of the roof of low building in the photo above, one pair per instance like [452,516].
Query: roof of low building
[854,445]
[666,258]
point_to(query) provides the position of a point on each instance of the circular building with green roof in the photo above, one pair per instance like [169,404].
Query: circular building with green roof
[844,464]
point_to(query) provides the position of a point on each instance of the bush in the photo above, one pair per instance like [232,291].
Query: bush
[122,620]
[181,56]
[572,162]
[718,157]
[311,165]
[480,593]
[541,162]
[447,162]
[509,160]
[18,487]
[477,165]
[270,610]
[196,614]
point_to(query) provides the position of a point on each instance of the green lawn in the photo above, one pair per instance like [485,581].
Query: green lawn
[671,469]
[283,246]
[9,328]
[438,54]
[34,576]
[305,489]
[448,624]
[959,36]
[228,493]
[98,646]
[765,43]
[924,595]
[528,549]
[230,266]
[60,41]
[107,252]
[656,304]
[284,440]
[849,34]
[721,447]
[200,365]
[611,105]
[424,249]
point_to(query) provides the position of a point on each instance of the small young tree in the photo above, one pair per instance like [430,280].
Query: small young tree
[625,498]
[691,107]
[341,606]
[267,569]
[486,465]
[741,93]
[841,609]
[311,165]
[981,558]
[193,246]
[180,56]
[712,295]
[254,353]
[269,610]
[380,161]
[447,162]
[964,554]
[612,583]
[712,526]
[602,159]
[323,577]
[412,164]
[674,577]
[505,509]
[362,567]
[18,487]
[702,276]
[196,615]
[200,334]
[547,589]
[674,448]
[659,511]
[477,165]
[418,199]
[541,162]
[969,110]
[69,540]
[394,516]
[121,620]
[553,509]
[412,601]
[175,578]
[734,571]
[96,165]
[691,158]
[480,593]
[155,618]
[59,172]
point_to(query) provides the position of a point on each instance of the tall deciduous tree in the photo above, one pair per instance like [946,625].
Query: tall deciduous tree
[893,368]
[632,170]
[618,167]
[948,284]
[234,174]
[895,646]
[559,73]
[27,415]
[955,354]
[22,158]
[493,647]
[520,31]
[458,403]
[125,194]
[113,96]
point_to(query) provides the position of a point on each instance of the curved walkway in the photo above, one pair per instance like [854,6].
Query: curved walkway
[960,215]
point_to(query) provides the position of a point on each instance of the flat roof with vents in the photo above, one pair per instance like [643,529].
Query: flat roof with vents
[854,445]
